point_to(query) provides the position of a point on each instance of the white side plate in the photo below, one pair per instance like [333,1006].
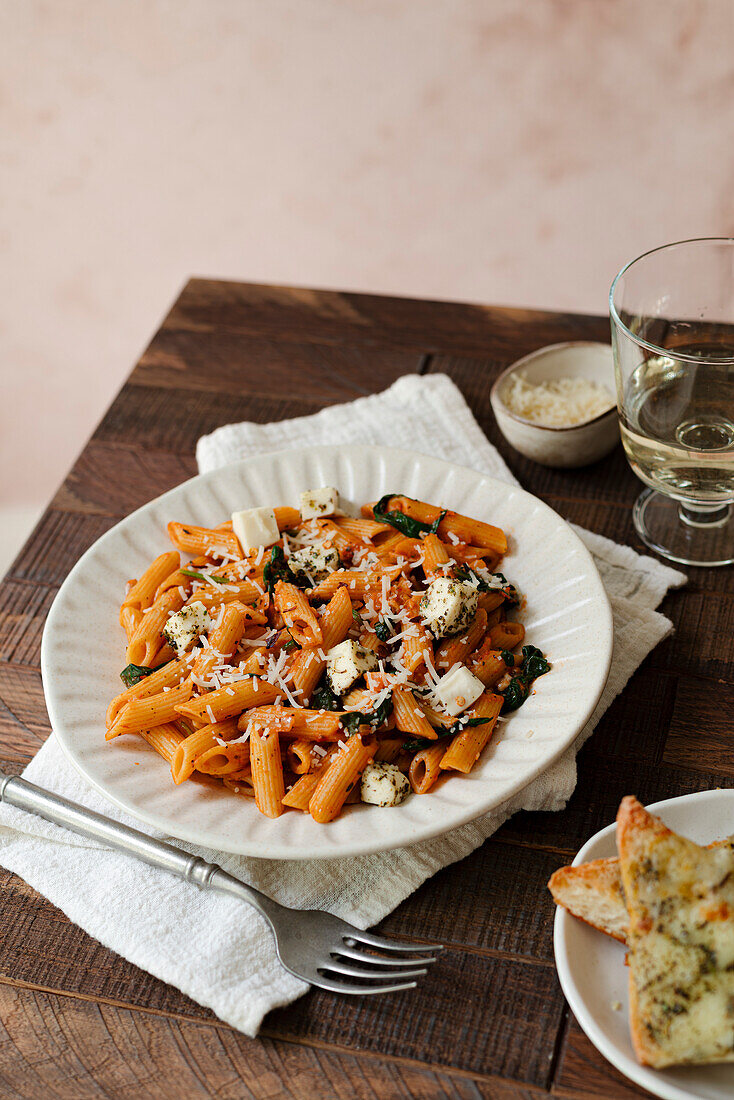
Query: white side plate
[591,965]
[567,616]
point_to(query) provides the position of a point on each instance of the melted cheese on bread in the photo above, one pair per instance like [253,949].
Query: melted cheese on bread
[593,892]
[680,900]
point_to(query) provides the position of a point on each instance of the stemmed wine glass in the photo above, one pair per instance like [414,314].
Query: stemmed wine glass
[672,314]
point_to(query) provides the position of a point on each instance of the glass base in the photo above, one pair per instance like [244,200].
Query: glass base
[690,534]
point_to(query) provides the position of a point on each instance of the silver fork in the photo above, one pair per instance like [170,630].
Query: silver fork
[315,946]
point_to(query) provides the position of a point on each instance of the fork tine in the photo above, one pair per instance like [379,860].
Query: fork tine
[338,967]
[361,990]
[384,944]
[362,956]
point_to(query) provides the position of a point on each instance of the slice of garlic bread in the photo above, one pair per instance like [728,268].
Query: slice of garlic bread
[593,892]
[680,900]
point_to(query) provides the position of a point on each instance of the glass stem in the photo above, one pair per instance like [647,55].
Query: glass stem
[704,515]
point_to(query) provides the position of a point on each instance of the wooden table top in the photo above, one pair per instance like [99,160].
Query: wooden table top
[490,1021]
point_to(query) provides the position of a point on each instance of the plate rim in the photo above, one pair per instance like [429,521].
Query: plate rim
[278,849]
[644,1076]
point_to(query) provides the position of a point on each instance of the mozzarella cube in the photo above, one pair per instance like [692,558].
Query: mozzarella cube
[185,626]
[346,662]
[317,503]
[314,562]
[255,527]
[458,689]
[448,606]
[384,785]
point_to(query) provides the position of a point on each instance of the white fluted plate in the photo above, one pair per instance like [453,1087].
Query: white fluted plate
[595,980]
[567,615]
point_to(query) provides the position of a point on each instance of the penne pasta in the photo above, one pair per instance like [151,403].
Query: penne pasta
[507,635]
[409,718]
[425,768]
[257,702]
[298,615]
[267,771]
[300,756]
[151,710]
[165,739]
[148,639]
[230,700]
[287,518]
[209,541]
[455,650]
[463,527]
[142,592]
[353,579]
[466,747]
[343,772]
[434,554]
[168,676]
[198,742]
[301,793]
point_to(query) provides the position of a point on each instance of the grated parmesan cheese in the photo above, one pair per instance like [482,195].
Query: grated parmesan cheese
[558,403]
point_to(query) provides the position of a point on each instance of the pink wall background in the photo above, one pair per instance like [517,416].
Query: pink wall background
[498,151]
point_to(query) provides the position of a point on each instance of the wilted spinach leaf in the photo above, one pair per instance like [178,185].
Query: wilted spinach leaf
[133,674]
[533,665]
[323,698]
[413,528]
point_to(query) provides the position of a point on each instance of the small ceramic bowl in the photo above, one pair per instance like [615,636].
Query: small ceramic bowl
[579,444]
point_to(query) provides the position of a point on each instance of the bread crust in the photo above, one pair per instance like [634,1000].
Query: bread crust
[593,893]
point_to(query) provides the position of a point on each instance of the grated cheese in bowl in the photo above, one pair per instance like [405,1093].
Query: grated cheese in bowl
[559,403]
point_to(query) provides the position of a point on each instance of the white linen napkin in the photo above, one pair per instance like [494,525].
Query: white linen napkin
[153,919]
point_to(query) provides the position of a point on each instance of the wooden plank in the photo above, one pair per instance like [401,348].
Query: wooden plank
[596,799]
[234,363]
[65,1048]
[40,948]
[635,727]
[329,316]
[704,635]
[56,544]
[503,908]
[700,728]
[113,479]
[23,610]
[504,1022]
[175,419]
[584,1075]
[24,724]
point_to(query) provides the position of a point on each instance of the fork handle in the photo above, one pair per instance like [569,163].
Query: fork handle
[158,853]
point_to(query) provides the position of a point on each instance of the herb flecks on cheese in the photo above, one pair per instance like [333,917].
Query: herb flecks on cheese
[346,662]
[318,503]
[680,899]
[384,785]
[315,563]
[186,625]
[448,606]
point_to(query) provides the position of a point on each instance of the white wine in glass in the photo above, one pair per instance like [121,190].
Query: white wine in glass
[673,334]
